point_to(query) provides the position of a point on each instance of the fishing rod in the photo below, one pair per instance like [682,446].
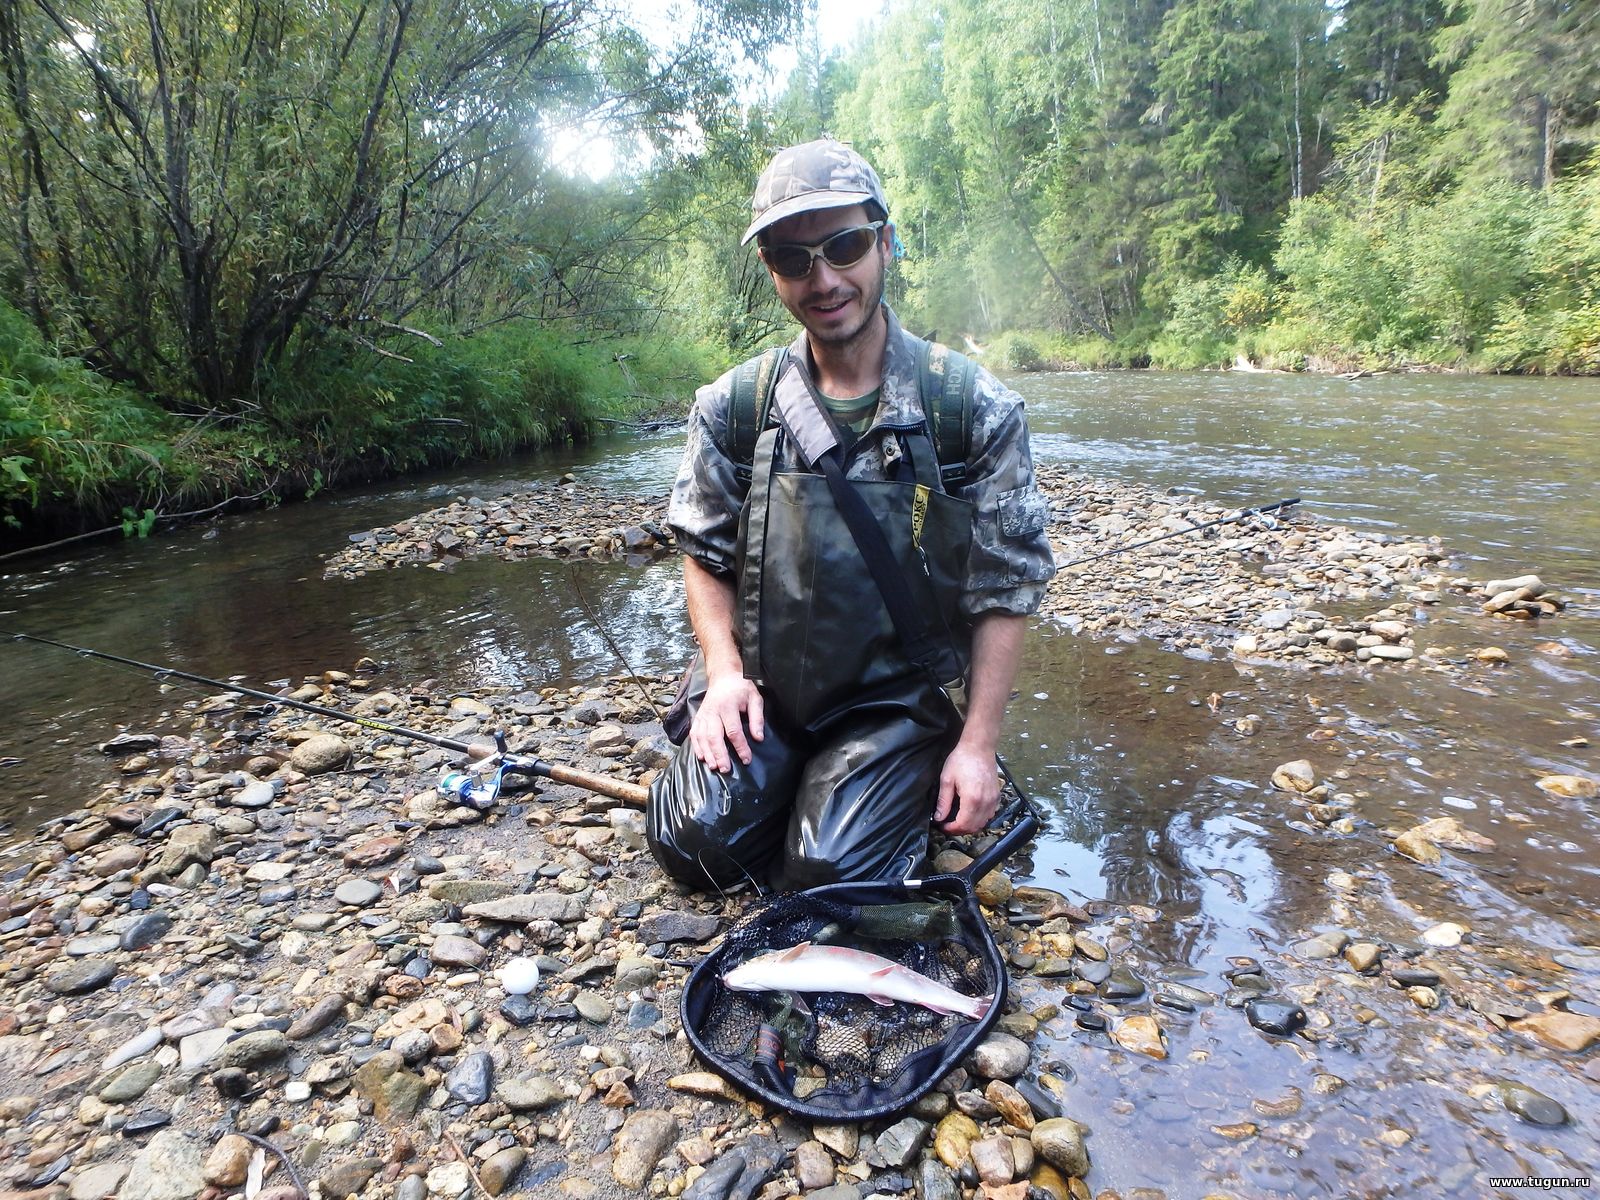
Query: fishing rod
[1244,514]
[476,788]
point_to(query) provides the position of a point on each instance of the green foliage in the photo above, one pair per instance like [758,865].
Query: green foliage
[67,433]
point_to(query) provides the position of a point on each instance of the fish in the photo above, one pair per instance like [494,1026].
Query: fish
[911,922]
[812,968]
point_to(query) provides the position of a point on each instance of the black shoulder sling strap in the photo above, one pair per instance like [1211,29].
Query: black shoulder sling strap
[927,649]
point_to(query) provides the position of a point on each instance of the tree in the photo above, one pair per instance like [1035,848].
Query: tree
[196,190]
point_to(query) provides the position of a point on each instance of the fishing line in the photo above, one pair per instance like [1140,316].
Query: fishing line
[572,573]
[499,755]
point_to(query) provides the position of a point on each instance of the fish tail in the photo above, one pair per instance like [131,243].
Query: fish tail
[981,1007]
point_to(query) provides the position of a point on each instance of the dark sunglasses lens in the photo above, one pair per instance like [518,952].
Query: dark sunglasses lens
[850,247]
[792,262]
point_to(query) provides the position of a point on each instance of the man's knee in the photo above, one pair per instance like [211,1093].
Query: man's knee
[708,829]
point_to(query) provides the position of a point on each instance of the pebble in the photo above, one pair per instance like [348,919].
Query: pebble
[312,1022]
[359,893]
[498,1172]
[1000,1056]
[1059,1141]
[1534,1107]
[74,978]
[1278,1017]
[678,927]
[813,1166]
[898,1145]
[130,1083]
[471,1080]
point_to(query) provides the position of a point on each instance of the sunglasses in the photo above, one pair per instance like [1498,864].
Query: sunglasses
[844,249]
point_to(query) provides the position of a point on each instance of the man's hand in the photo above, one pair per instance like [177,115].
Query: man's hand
[730,701]
[971,777]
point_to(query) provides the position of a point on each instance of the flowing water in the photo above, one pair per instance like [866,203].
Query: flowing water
[1152,799]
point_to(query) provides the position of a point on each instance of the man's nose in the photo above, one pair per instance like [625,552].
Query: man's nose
[824,275]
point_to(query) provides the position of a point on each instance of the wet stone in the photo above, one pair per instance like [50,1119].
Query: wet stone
[1000,1056]
[519,1011]
[642,1015]
[935,1181]
[1092,971]
[146,1121]
[1278,1017]
[145,931]
[1532,1106]
[1414,977]
[1323,946]
[1122,984]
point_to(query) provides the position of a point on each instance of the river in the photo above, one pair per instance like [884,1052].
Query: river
[1152,799]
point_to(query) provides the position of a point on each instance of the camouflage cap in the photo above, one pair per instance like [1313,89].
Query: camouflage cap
[820,174]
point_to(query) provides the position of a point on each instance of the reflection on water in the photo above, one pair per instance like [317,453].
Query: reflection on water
[1152,796]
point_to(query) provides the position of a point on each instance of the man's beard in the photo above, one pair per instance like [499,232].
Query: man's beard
[871,298]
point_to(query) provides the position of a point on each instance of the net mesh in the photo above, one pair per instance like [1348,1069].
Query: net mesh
[845,1043]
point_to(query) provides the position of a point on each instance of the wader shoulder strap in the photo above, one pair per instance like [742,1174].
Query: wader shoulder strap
[748,406]
[947,380]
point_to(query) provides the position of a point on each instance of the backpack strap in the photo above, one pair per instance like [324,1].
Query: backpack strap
[948,380]
[748,407]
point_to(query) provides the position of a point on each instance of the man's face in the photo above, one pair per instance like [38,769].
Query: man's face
[835,305]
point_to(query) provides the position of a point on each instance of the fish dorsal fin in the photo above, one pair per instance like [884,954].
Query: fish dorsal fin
[794,952]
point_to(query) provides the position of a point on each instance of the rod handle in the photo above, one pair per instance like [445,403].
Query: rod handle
[603,785]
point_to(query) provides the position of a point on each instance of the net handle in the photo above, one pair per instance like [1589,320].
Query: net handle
[1015,838]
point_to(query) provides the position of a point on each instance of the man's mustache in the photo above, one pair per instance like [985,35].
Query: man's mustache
[834,296]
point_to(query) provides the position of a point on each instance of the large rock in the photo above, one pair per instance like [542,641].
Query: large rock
[528,907]
[171,1167]
[1000,1056]
[186,845]
[320,754]
[645,1136]
[1561,1030]
[1059,1141]
[677,927]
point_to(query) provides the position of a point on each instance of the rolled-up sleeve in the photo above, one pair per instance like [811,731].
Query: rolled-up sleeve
[703,512]
[1010,562]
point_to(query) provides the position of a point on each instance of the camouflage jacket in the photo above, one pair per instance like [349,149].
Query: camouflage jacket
[1010,561]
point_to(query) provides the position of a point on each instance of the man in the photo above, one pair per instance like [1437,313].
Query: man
[816,748]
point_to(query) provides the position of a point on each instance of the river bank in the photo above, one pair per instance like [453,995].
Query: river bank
[264,928]
[302,923]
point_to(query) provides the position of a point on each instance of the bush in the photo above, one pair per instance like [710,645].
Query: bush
[66,433]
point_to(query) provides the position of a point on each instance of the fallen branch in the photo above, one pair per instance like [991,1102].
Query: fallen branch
[118,527]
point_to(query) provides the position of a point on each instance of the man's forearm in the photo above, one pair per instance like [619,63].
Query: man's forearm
[711,607]
[996,653]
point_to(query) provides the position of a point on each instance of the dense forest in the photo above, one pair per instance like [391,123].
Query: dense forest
[248,249]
